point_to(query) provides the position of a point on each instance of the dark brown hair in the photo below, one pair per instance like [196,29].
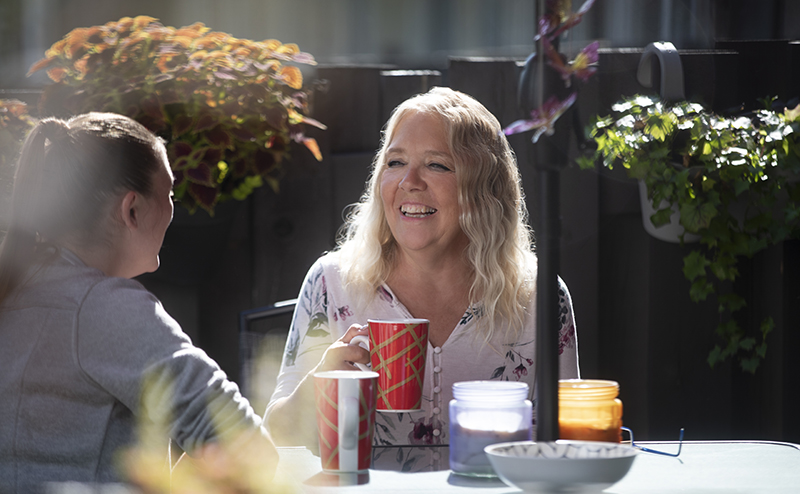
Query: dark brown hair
[67,176]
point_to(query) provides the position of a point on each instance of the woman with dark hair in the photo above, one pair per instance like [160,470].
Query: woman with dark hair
[86,353]
[440,233]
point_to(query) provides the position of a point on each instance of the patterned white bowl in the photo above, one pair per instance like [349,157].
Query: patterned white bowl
[561,466]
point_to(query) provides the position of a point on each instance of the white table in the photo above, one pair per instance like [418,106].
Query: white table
[703,467]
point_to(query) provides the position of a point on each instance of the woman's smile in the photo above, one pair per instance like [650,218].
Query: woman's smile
[416,211]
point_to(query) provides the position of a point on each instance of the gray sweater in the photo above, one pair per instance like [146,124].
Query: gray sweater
[76,347]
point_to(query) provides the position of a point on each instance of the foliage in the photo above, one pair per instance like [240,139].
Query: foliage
[227,107]
[234,462]
[733,180]
[558,18]
[15,122]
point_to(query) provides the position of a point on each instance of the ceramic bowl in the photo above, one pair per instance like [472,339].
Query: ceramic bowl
[560,466]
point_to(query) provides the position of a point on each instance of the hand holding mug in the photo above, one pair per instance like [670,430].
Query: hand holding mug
[361,340]
[343,355]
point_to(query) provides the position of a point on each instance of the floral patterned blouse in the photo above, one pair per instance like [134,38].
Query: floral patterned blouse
[325,311]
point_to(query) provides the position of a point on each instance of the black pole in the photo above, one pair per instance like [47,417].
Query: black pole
[549,158]
[547,249]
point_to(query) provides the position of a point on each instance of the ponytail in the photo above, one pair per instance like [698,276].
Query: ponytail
[67,175]
[19,244]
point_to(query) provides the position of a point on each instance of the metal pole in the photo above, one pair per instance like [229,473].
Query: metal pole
[547,317]
[547,160]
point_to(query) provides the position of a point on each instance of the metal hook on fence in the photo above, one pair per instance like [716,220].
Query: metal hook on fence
[671,67]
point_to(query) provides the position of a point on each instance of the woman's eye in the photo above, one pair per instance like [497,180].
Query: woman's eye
[394,163]
[440,166]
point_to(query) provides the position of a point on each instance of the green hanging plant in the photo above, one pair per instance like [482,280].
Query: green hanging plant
[735,182]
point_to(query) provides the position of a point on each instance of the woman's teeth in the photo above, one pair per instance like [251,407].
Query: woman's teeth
[416,211]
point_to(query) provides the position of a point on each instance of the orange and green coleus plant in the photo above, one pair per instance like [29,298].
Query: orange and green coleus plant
[228,108]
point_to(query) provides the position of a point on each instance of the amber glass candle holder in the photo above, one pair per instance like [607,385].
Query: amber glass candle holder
[589,410]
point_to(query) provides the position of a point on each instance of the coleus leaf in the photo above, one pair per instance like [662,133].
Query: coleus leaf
[312,146]
[180,125]
[206,197]
[200,174]
[152,107]
[179,149]
[212,155]
[291,76]
[205,122]
[218,137]
[242,134]
[44,63]
[543,119]
[264,161]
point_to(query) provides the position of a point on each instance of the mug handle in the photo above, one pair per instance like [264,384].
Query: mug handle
[363,342]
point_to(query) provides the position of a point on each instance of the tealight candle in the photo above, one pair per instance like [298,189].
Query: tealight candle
[484,413]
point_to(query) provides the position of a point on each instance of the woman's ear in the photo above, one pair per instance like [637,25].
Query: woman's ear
[128,209]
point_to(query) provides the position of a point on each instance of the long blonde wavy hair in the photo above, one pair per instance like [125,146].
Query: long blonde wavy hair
[493,214]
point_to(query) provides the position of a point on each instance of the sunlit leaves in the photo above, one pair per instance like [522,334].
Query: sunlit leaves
[660,126]
[733,180]
[291,76]
[792,115]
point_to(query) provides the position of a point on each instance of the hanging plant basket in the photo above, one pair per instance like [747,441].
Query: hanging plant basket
[733,182]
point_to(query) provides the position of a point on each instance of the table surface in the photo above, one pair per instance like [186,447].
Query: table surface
[703,467]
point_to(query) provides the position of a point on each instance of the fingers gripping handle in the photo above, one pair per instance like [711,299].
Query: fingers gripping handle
[363,342]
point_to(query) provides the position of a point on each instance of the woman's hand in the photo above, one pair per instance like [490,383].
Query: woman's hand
[292,419]
[342,354]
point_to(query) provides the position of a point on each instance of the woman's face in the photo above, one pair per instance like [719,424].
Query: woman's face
[419,189]
[155,216]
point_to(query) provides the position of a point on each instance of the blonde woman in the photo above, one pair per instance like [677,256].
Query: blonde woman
[440,234]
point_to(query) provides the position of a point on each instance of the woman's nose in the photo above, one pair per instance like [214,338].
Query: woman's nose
[412,180]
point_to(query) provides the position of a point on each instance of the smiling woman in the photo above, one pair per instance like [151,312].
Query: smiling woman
[439,234]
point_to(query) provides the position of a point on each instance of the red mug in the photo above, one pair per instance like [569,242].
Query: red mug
[345,418]
[398,351]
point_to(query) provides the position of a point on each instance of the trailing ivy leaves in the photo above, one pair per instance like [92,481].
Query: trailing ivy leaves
[735,182]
